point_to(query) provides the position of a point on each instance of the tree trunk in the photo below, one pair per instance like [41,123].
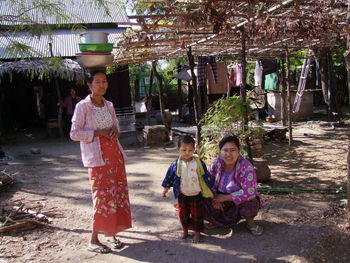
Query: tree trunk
[160,90]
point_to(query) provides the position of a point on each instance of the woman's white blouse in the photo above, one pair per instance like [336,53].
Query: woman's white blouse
[103,117]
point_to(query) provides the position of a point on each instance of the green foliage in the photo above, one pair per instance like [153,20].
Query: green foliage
[226,117]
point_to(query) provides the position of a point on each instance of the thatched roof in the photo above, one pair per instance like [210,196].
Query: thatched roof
[44,69]
[217,27]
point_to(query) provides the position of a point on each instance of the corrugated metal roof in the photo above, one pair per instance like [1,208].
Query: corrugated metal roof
[79,12]
[64,43]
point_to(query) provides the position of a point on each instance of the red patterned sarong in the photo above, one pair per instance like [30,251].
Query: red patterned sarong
[110,191]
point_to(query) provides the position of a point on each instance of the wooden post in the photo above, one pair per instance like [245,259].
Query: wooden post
[324,74]
[60,109]
[243,90]
[347,59]
[205,99]
[289,99]
[283,96]
[179,93]
[195,95]
[160,93]
[335,100]
[348,187]
[149,99]
[330,84]
[60,101]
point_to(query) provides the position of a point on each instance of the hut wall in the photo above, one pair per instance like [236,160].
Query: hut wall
[119,91]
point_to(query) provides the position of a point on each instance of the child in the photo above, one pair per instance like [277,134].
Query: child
[189,177]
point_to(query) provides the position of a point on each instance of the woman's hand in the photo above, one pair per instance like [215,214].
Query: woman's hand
[217,205]
[113,133]
[222,198]
[104,133]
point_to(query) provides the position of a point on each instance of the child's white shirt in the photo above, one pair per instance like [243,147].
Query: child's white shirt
[189,178]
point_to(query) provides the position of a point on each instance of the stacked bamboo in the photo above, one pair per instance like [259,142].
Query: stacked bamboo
[18,219]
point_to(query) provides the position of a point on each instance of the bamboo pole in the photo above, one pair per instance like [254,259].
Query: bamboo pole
[289,100]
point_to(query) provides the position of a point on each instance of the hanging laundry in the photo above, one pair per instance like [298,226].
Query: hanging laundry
[269,65]
[270,82]
[222,84]
[258,74]
[236,75]
[202,63]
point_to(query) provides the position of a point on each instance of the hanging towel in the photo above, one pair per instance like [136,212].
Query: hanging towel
[222,84]
[270,82]
[203,61]
[236,75]
[269,65]
[258,74]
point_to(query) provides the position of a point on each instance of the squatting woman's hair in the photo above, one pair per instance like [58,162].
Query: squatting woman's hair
[232,138]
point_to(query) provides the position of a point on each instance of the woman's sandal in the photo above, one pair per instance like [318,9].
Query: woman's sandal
[101,249]
[257,230]
[116,243]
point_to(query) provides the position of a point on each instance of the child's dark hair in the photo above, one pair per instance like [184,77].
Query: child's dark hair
[90,75]
[232,138]
[186,139]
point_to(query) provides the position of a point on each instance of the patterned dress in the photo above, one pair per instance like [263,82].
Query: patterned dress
[109,185]
[241,185]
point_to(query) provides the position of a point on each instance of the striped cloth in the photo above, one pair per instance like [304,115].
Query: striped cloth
[202,62]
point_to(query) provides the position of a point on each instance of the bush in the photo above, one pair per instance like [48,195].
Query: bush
[225,117]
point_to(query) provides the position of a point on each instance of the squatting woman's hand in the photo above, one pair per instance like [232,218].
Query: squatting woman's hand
[217,205]
[222,198]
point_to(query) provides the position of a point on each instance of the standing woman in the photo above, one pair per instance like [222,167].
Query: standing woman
[95,125]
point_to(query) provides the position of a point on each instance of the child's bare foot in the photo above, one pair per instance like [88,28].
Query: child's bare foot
[197,237]
[183,235]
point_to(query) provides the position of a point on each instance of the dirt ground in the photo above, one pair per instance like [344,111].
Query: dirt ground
[298,227]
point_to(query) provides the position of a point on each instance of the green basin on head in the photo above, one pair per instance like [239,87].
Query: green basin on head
[96,47]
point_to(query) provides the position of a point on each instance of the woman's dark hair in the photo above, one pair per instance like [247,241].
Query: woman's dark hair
[90,75]
[232,138]
[186,139]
